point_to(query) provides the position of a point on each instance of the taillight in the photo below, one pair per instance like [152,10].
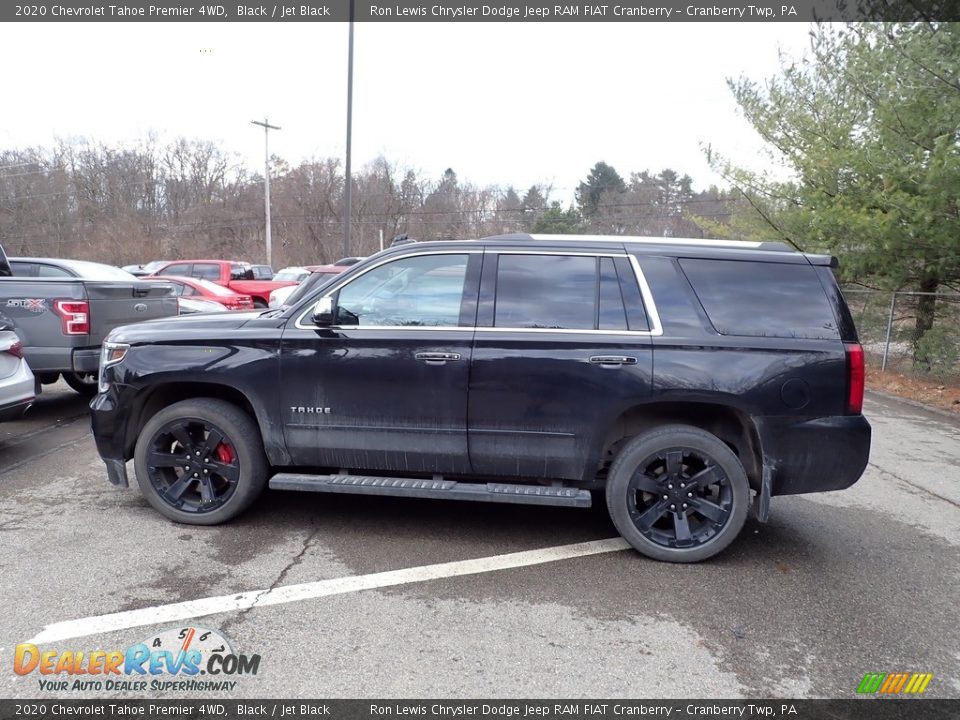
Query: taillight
[74,316]
[16,349]
[855,378]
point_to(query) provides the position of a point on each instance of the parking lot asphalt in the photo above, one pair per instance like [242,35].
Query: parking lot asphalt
[832,587]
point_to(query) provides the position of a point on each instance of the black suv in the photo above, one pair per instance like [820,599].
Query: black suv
[685,379]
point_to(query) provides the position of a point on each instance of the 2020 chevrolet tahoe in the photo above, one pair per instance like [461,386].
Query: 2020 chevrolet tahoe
[683,379]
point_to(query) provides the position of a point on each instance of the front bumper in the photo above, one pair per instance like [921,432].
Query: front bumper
[109,423]
[816,455]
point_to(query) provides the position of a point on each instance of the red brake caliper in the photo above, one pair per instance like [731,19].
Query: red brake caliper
[224,453]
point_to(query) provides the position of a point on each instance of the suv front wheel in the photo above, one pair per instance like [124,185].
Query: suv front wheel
[678,494]
[201,461]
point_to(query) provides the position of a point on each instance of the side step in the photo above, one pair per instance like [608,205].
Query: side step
[438,489]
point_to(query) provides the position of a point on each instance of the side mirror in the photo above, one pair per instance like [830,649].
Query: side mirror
[323,312]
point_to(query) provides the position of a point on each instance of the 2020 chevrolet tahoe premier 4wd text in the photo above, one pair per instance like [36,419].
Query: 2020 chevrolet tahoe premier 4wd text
[686,379]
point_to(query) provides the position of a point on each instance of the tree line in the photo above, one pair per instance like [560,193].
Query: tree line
[192,198]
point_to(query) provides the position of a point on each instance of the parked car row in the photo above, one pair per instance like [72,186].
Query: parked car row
[55,312]
[61,310]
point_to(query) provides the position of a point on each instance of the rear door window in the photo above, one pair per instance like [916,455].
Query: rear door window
[762,299]
[207,271]
[611,315]
[546,292]
[181,269]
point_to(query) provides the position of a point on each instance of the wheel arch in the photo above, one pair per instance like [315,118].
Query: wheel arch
[151,400]
[732,425]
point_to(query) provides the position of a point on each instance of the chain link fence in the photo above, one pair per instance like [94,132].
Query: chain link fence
[887,324]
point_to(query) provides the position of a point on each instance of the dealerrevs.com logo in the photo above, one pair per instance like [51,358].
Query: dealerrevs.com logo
[187,659]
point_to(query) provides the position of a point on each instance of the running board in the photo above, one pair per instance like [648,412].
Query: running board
[438,489]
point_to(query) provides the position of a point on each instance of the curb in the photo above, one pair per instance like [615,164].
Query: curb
[955,416]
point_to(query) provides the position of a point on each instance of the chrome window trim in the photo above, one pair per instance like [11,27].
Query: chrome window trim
[656,327]
[651,240]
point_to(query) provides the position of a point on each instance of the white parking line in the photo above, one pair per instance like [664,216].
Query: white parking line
[322,588]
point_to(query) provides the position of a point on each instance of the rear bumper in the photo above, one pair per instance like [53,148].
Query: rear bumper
[86,360]
[63,359]
[17,392]
[109,425]
[815,455]
[12,411]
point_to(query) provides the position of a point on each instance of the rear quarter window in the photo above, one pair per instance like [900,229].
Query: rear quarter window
[761,299]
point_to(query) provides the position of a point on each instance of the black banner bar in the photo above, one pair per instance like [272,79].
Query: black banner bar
[861,709]
[473,11]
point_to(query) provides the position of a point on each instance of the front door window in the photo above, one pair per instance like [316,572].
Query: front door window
[422,291]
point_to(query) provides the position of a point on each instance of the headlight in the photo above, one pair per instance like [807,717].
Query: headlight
[110,354]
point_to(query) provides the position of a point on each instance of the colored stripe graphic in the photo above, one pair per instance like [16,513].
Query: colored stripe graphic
[894,683]
[871,682]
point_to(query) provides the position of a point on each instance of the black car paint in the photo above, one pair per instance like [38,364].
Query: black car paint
[527,405]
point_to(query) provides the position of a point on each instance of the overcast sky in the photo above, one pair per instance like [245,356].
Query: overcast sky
[500,103]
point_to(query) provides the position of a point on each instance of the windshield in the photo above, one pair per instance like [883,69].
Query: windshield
[315,280]
[292,274]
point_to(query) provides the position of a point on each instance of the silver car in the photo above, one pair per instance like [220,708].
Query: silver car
[17,386]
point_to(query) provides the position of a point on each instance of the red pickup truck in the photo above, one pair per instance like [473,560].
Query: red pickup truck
[238,276]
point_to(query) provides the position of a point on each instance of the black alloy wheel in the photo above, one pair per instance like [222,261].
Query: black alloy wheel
[192,465]
[200,461]
[678,494]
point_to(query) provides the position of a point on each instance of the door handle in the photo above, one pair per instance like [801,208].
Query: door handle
[436,358]
[613,360]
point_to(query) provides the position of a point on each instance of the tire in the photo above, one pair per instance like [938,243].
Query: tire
[83,383]
[230,471]
[678,494]
[259,304]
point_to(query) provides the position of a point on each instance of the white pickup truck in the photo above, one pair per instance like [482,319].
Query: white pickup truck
[63,309]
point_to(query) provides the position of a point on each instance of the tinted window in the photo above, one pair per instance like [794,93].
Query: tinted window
[546,291]
[612,315]
[630,293]
[415,291]
[208,271]
[52,271]
[760,299]
[237,272]
[179,269]
[23,269]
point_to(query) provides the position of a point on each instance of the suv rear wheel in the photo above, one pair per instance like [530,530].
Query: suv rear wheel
[201,461]
[678,494]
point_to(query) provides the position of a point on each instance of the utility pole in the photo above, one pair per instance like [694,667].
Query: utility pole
[348,187]
[267,127]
